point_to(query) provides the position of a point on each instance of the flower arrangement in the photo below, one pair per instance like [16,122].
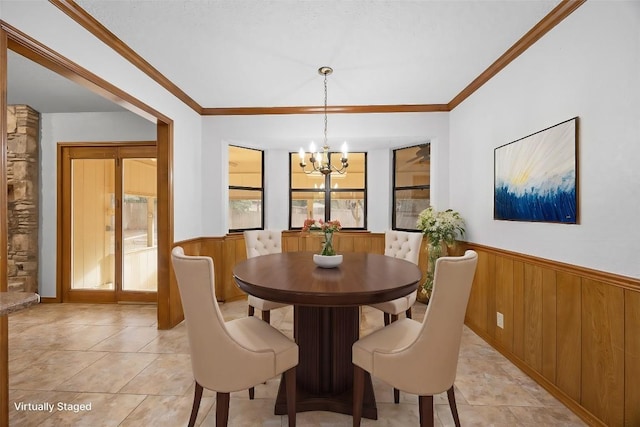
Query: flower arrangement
[326,227]
[439,227]
[442,226]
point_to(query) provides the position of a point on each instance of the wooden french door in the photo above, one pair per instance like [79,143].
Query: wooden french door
[108,233]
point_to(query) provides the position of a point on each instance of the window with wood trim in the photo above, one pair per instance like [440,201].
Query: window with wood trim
[341,197]
[246,189]
[411,185]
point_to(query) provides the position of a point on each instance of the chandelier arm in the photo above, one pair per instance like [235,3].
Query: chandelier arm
[321,160]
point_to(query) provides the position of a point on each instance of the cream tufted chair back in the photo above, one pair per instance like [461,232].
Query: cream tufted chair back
[403,245]
[262,242]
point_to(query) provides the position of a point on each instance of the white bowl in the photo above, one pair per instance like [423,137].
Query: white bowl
[327,261]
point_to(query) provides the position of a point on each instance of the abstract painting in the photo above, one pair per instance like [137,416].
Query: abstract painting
[535,176]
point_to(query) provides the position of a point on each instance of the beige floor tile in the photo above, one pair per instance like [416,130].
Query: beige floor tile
[129,339]
[64,337]
[106,410]
[248,413]
[142,376]
[171,341]
[547,416]
[478,416]
[24,405]
[168,374]
[49,369]
[169,411]
[109,374]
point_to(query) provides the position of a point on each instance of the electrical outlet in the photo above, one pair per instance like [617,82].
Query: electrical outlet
[500,319]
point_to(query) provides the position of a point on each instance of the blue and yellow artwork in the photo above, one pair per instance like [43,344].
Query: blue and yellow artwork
[535,176]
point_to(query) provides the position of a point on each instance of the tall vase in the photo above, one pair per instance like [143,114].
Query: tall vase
[435,251]
[327,245]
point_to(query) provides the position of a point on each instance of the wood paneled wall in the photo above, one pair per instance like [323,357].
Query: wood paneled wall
[228,250]
[574,330]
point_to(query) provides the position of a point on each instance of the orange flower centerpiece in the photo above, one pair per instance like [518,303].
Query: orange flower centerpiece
[327,257]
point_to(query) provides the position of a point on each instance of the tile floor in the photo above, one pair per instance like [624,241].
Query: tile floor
[113,358]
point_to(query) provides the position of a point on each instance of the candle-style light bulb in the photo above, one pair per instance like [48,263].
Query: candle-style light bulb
[312,147]
[301,154]
[345,151]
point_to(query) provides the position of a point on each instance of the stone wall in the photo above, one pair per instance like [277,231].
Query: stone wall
[22,196]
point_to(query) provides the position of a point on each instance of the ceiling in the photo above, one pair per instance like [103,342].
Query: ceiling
[266,53]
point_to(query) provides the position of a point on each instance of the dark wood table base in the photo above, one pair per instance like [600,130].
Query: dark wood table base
[324,376]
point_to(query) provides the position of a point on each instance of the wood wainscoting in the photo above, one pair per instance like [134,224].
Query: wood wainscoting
[228,250]
[574,330]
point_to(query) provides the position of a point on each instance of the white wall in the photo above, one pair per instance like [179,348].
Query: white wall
[574,70]
[377,134]
[46,23]
[79,127]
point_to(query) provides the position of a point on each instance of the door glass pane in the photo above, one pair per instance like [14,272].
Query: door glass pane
[139,226]
[92,224]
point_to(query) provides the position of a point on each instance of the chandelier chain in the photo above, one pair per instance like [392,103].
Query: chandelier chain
[325,109]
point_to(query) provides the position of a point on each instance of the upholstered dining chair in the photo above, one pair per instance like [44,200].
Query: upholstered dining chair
[404,245]
[421,357]
[262,242]
[228,356]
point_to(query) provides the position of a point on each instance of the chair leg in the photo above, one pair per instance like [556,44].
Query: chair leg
[290,384]
[358,394]
[222,409]
[251,311]
[197,396]
[396,396]
[452,404]
[426,411]
[252,393]
[266,316]
[408,313]
[394,317]
[386,319]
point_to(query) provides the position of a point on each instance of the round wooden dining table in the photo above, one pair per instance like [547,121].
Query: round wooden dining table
[326,317]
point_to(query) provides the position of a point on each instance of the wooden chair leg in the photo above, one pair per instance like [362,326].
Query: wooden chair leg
[252,393]
[251,311]
[290,384]
[452,404]
[386,319]
[358,394]
[396,396]
[408,313]
[266,316]
[197,396]
[222,409]
[426,411]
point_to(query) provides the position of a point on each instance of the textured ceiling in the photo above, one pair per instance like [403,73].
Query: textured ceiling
[261,53]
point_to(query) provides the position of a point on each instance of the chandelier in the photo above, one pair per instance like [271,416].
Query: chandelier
[319,160]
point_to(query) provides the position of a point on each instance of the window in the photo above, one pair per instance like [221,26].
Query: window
[411,185]
[341,197]
[246,189]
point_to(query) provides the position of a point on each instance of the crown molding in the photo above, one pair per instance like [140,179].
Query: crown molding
[552,19]
[82,17]
[335,109]
[30,48]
